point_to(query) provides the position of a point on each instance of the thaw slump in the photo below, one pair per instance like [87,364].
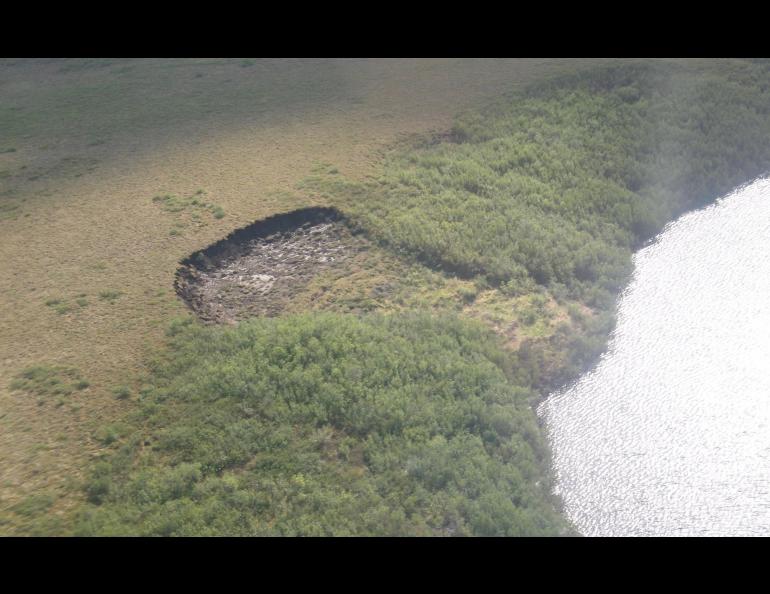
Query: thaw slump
[256,270]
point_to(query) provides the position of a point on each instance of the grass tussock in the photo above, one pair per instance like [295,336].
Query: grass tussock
[110,296]
[122,392]
[50,380]
[191,204]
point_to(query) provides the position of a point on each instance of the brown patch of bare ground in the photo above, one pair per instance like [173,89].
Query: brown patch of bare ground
[257,270]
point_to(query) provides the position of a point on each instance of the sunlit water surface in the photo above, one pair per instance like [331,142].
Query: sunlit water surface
[670,433]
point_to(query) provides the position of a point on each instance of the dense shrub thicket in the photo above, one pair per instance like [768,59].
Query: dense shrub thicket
[329,425]
[559,184]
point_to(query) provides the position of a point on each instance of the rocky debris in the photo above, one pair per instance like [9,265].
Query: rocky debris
[256,270]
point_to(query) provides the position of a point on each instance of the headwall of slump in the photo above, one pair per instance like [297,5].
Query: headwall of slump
[255,270]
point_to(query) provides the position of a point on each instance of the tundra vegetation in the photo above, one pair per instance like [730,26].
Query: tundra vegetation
[421,423]
[329,425]
[393,394]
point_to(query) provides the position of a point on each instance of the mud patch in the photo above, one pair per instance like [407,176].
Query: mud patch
[257,270]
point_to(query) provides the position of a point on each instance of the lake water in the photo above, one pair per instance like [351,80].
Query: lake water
[670,433]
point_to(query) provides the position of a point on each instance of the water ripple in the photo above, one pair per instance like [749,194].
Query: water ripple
[668,435]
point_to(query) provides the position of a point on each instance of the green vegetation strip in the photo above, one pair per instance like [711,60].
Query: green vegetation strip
[558,185]
[329,425]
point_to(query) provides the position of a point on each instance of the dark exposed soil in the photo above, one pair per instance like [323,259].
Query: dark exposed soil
[257,269]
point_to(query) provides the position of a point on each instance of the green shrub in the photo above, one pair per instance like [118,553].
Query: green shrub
[121,392]
[468,294]
[329,425]
[110,296]
[34,505]
[109,434]
[557,185]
